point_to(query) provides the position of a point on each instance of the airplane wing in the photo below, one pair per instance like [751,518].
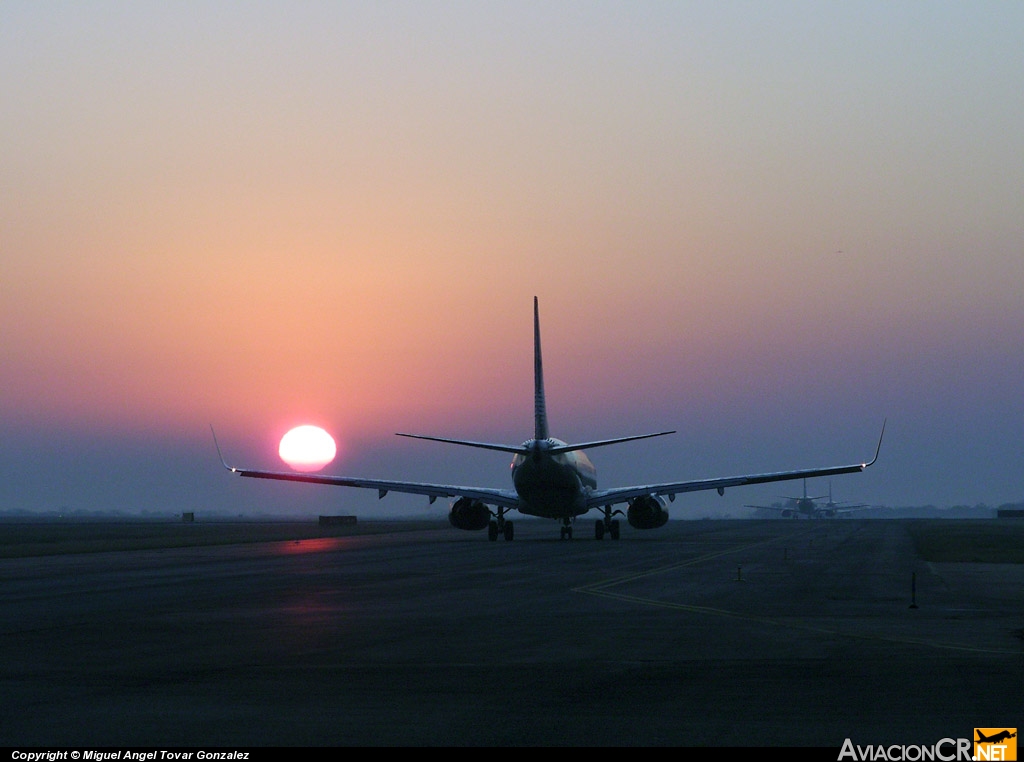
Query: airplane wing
[499,497]
[504,498]
[599,498]
[851,508]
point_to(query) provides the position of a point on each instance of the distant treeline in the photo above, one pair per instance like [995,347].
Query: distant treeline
[978,511]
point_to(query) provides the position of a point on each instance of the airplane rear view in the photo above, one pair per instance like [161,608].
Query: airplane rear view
[551,479]
[807,506]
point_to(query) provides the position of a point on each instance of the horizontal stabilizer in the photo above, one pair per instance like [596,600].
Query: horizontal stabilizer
[550,450]
[603,442]
[468,443]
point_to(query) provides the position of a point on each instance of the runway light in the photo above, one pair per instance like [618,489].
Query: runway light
[307,448]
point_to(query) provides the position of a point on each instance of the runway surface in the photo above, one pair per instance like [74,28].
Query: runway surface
[701,633]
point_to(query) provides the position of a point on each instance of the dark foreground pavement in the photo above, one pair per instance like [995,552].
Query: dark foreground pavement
[702,633]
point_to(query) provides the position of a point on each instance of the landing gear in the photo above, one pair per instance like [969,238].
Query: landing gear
[498,526]
[607,525]
[566,533]
[602,526]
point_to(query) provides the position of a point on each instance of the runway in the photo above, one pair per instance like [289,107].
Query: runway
[721,633]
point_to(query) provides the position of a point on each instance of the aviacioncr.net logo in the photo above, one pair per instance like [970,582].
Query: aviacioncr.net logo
[944,750]
[995,744]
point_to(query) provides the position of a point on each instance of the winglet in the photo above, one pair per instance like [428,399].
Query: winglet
[219,455]
[878,449]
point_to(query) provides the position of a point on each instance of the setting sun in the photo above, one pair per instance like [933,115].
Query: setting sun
[307,448]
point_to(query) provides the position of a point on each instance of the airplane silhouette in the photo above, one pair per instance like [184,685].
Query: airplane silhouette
[551,479]
[1000,736]
[807,506]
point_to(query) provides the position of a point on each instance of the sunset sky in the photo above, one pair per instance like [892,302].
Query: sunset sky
[767,225]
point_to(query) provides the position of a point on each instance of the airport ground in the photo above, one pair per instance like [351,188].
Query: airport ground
[720,633]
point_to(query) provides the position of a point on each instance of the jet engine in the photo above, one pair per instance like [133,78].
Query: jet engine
[470,514]
[647,512]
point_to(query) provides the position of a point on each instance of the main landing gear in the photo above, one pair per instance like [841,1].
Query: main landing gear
[602,527]
[499,526]
[607,525]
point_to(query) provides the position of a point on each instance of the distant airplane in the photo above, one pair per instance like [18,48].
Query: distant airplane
[551,479]
[806,506]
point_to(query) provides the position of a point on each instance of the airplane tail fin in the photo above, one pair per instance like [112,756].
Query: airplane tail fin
[540,413]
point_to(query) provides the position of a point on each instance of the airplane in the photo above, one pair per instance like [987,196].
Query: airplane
[806,506]
[1002,735]
[550,478]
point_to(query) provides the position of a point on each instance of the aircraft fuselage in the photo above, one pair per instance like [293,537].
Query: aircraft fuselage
[552,486]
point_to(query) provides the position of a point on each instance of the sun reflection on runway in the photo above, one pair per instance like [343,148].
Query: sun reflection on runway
[312,545]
